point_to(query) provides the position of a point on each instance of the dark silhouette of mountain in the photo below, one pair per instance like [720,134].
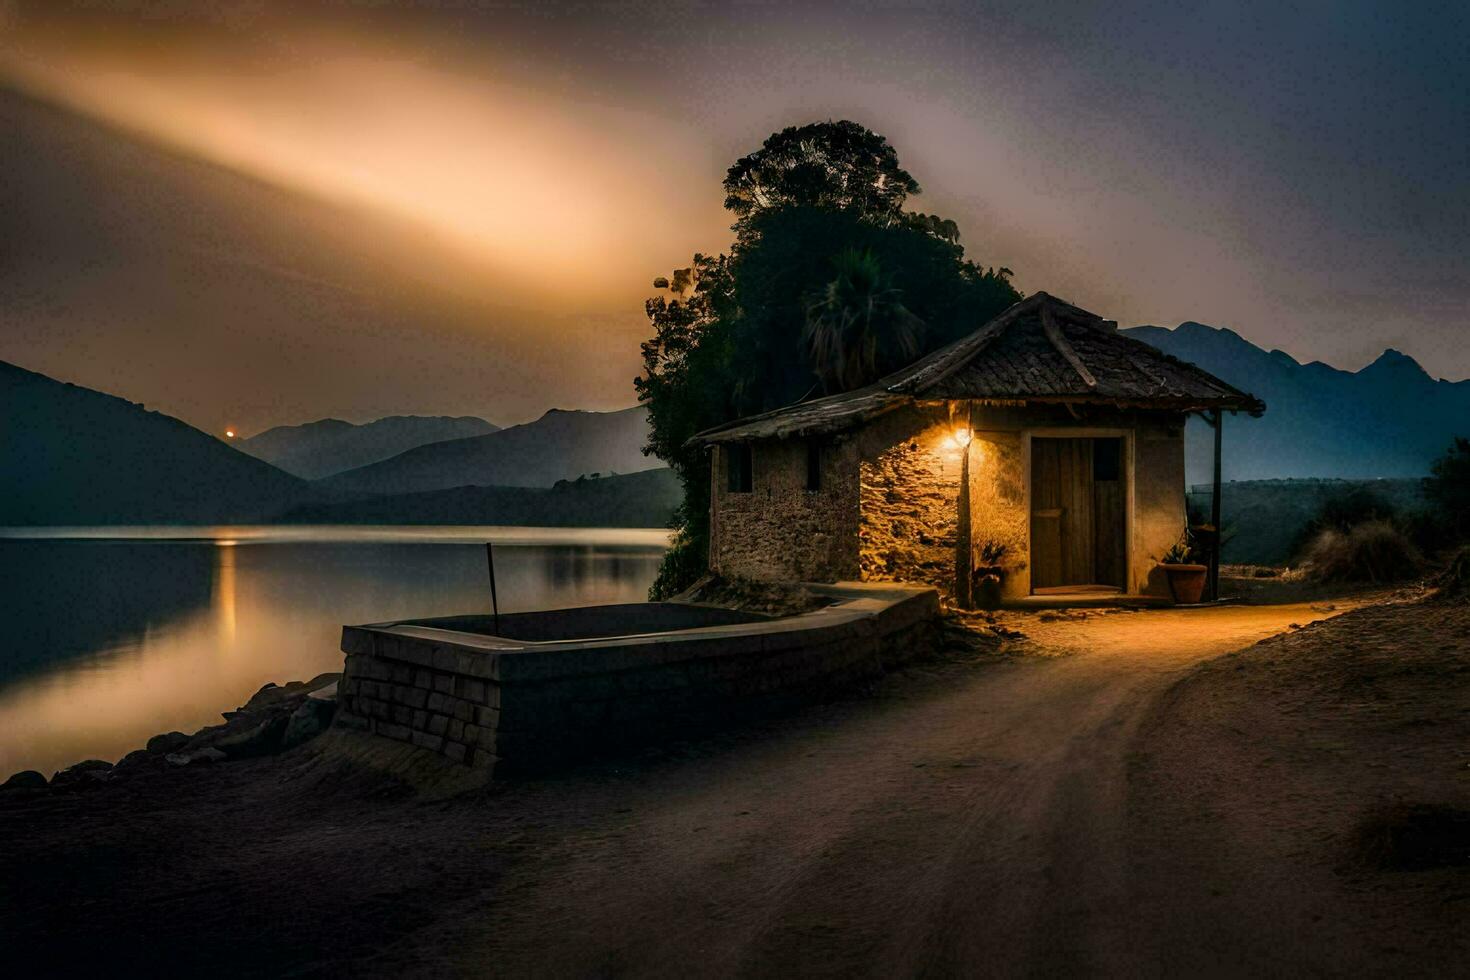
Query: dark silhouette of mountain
[318,449]
[645,499]
[71,455]
[1391,419]
[560,445]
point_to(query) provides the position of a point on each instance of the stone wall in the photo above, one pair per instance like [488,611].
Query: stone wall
[409,699]
[780,530]
[889,507]
[910,472]
[998,503]
[519,706]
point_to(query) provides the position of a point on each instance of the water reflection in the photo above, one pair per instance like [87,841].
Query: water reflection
[110,641]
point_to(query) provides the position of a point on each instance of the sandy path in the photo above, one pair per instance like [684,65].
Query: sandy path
[974,826]
[964,818]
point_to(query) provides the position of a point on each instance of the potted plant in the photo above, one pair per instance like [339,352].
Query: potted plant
[989,575]
[1186,576]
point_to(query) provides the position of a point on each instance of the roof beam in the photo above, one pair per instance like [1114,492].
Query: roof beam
[1054,334]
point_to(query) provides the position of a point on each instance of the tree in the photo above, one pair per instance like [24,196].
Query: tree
[831,165]
[1448,488]
[857,328]
[731,336]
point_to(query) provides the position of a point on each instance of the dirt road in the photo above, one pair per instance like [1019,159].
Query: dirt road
[962,819]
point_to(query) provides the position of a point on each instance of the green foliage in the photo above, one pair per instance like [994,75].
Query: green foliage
[1181,552]
[1448,488]
[857,328]
[827,285]
[836,166]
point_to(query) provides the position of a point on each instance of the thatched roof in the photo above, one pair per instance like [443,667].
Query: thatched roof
[1040,351]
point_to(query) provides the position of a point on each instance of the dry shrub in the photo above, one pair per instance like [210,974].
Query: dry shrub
[1374,551]
[1454,583]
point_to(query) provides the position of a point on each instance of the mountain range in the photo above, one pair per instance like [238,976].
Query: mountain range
[317,449]
[1390,419]
[72,456]
[559,445]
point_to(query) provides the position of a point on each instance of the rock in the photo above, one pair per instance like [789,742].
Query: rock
[136,759]
[167,742]
[261,739]
[25,779]
[82,774]
[207,754]
[308,721]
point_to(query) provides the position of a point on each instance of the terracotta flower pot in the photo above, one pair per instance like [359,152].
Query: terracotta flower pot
[987,588]
[1187,582]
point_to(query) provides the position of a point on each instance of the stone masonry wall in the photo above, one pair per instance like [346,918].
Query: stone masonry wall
[539,705]
[442,710]
[910,491]
[780,531]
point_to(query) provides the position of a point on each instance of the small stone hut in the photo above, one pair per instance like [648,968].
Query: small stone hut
[1046,438]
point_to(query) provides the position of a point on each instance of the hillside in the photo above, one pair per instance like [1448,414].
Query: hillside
[644,499]
[71,455]
[1264,517]
[560,445]
[1391,419]
[318,449]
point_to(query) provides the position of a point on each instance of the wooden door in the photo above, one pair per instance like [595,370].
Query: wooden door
[1078,535]
[1108,494]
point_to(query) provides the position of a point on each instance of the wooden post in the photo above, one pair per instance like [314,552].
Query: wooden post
[494,599]
[1218,421]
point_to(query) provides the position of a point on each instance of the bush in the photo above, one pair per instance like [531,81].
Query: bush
[1343,511]
[685,563]
[1374,551]
[1454,582]
[1448,488]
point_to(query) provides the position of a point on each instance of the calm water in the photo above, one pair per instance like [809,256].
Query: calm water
[111,635]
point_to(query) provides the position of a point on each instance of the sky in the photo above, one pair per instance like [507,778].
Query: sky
[264,213]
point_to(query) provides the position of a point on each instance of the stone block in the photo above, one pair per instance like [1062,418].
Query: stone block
[423,678]
[456,730]
[420,720]
[390,730]
[444,683]
[456,751]
[438,724]
[402,714]
[426,741]
[470,688]
[437,702]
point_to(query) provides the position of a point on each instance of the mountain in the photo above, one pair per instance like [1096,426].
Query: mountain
[1391,419]
[318,449]
[560,445]
[71,455]
[645,499]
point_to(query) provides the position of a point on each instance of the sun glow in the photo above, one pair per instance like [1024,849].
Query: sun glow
[229,433]
[508,170]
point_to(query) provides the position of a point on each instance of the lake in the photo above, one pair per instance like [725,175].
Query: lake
[112,635]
